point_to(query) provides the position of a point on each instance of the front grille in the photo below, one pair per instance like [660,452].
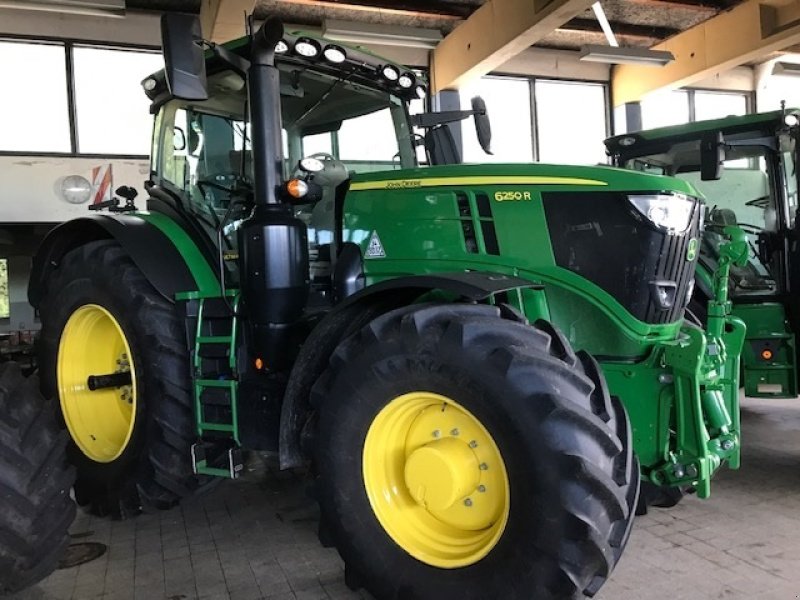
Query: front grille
[601,237]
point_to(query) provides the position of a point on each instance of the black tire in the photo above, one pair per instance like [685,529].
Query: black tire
[154,471]
[567,446]
[35,481]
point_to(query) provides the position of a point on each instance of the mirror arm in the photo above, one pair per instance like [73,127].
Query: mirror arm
[234,61]
[432,119]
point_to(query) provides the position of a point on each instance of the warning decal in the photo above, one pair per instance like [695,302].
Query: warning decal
[375,247]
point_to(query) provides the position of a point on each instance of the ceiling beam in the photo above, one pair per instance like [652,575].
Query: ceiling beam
[624,29]
[746,33]
[224,20]
[494,33]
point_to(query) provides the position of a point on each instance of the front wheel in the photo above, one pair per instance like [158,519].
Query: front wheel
[463,455]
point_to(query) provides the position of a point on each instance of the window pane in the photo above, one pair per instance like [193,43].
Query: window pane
[571,122]
[368,138]
[508,102]
[716,105]
[34,117]
[320,142]
[113,116]
[665,108]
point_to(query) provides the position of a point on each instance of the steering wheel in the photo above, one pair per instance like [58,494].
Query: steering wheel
[750,228]
[212,182]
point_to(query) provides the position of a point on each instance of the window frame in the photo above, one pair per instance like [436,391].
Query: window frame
[68,45]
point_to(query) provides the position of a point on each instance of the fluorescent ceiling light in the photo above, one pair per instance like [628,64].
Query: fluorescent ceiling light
[97,8]
[634,56]
[786,68]
[387,35]
[600,14]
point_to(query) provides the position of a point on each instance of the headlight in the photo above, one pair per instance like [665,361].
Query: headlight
[672,212]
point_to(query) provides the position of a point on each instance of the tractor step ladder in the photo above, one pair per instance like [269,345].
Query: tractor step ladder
[215,389]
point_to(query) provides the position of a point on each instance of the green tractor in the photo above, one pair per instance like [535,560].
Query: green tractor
[476,362]
[747,169]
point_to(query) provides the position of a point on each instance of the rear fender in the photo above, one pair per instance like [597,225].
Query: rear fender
[169,260]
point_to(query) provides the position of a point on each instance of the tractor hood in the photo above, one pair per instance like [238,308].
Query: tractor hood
[541,176]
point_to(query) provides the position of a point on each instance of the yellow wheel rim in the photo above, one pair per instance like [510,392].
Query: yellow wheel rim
[436,480]
[100,421]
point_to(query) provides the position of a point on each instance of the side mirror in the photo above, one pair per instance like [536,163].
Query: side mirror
[184,58]
[482,125]
[712,155]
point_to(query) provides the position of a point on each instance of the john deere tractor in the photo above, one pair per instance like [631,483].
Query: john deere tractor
[456,352]
[747,169]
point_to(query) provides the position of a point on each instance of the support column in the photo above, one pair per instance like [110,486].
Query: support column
[633,116]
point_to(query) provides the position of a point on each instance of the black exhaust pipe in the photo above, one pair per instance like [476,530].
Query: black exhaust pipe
[273,248]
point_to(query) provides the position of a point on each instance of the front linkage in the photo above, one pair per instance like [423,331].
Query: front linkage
[705,367]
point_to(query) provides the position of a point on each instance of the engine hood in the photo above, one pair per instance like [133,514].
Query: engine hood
[547,176]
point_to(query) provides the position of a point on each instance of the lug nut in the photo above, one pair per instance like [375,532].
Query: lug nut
[727,445]
[436,433]
[454,431]
[468,502]
[483,467]
[473,444]
[481,488]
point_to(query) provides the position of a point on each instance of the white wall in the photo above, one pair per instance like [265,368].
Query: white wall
[134,28]
[29,186]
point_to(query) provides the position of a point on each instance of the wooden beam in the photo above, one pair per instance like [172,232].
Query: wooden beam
[224,20]
[494,33]
[747,33]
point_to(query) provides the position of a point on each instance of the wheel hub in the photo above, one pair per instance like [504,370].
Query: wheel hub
[96,383]
[441,473]
[436,480]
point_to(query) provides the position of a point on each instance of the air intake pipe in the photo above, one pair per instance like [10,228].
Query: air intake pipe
[273,248]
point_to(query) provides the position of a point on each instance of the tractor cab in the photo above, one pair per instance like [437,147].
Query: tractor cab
[746,167]
[343,111]
[335,121]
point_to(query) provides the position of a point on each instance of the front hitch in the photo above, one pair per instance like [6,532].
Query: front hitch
[705,365]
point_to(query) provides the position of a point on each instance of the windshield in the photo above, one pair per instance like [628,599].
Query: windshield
[743,196]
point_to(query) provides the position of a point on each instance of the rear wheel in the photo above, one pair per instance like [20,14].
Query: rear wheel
[114,355]
[35,481]
[464,455]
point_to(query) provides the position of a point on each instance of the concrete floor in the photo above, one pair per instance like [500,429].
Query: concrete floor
[256,538]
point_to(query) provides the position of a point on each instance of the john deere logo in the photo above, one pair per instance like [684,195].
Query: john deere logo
[691,250]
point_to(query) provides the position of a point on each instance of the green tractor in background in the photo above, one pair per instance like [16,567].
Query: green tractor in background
[396,327]
[747,169]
